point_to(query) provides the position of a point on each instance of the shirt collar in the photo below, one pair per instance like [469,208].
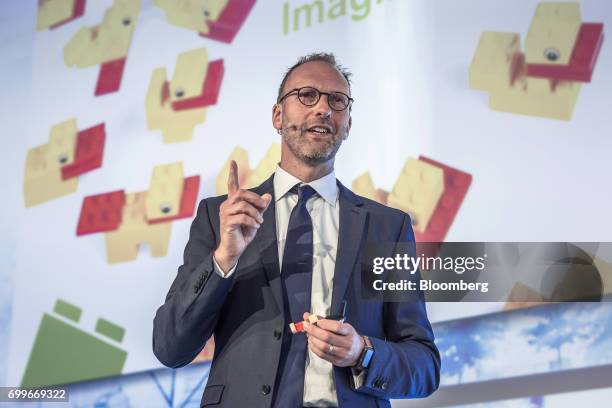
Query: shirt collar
[325,186]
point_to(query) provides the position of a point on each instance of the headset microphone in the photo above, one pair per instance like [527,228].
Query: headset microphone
[281,130]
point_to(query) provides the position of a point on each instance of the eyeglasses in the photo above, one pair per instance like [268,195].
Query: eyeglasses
[310,96]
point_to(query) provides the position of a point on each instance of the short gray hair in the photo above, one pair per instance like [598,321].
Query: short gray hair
[317,56]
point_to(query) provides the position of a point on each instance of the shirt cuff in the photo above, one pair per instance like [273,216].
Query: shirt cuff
[219,271]
[358,377]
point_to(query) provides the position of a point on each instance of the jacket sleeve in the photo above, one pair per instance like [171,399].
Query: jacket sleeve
[187,319]
[406,364]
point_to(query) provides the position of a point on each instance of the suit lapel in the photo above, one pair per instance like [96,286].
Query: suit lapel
[350,236]
[268,244]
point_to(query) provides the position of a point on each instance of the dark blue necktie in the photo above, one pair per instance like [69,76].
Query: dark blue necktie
[296,278]
[296,272]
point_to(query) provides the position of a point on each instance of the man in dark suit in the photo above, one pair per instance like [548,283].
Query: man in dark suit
[258,260]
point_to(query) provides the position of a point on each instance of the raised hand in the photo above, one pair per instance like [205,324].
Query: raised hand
[241,215]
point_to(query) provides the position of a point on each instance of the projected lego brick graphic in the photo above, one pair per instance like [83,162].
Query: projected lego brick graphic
[178,105]
[55,13]
[64,353]
[106,44]
[215,19]
[130,220]
[560,54]
[52,169]
[429,191]
[247,177]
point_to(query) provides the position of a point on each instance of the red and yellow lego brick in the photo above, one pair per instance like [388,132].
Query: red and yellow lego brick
[429,191]
[106,44]
[298,327]
[122,244]
[130,220]
[178,105]
[215,19]
[52,169]
[544,80]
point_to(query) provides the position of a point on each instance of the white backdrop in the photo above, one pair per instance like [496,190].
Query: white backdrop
[534,179]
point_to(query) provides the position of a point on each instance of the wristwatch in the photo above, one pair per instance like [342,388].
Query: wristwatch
[366,355]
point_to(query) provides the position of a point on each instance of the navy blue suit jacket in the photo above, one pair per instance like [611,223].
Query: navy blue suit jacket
[245,312]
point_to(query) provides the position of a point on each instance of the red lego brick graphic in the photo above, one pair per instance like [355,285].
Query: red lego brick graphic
[109,78]
[77,11]
[88,153]
[583,59]
[101,213]
[191,187]
[230,21]
[456,185]
[210,89]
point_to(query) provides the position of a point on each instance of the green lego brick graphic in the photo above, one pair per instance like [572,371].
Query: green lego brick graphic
[63,353]
[67,310]
[110,330]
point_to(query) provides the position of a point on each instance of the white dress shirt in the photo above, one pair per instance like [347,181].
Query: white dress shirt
[324,209]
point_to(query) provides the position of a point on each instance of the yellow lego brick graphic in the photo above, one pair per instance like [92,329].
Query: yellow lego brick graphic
[364,186]
[241,157]
[122,245]
[537,97]
[43,169]
[265,168]
[154,103]
[192,14]
[417,191]
[52,12]
[43,182]
[165,191]
[106,42]
[493,61]
[62,143]
[544,80]
[552,33]
[189,74]
[248,178]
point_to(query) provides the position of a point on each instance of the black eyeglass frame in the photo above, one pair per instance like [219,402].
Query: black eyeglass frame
[294,90]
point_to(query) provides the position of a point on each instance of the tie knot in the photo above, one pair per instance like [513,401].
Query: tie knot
[304,192]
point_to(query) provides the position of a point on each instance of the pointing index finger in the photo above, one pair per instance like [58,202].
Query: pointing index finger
[232,179]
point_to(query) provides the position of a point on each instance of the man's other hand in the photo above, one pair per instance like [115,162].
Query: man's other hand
[339,343]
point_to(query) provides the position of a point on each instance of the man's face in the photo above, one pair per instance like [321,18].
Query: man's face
[313,134]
